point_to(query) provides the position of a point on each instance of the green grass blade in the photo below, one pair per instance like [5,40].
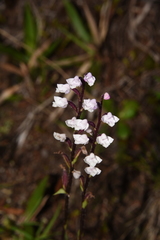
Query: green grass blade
[13,53]
[22,232]
[35,199]
[76,21]
[30,28]
[76,40]
[50,50]
[51,224]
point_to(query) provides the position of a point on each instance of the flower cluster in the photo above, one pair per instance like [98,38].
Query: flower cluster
[82,133]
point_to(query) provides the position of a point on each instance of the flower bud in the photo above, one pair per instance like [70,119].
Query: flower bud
[106,96]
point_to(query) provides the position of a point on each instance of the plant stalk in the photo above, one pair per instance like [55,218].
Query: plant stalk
[83,209]
[70,175]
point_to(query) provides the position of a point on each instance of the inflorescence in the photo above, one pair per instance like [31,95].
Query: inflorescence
[85,131]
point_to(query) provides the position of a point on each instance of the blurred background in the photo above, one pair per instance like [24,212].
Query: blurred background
[41,44]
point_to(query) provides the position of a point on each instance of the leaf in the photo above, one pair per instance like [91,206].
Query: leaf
[60,191]
[76,21]
[129,109]
[35,199]
[123,130]
[30,28]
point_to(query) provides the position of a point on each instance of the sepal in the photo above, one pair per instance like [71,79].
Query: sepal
[81,180]
[69,142]
[64,178]
[92,124]
[87,197]
[66,160]
[76,156]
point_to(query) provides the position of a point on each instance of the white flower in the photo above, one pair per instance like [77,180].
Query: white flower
[106,96]
[60,136]
[76,174]
[74,82]
[77,124]
[92,160]
[109,119]
[93,171]
[104,140]
[60,102]
[71,122]
[63,88]
[89,78]
[80,139]
[89,104]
